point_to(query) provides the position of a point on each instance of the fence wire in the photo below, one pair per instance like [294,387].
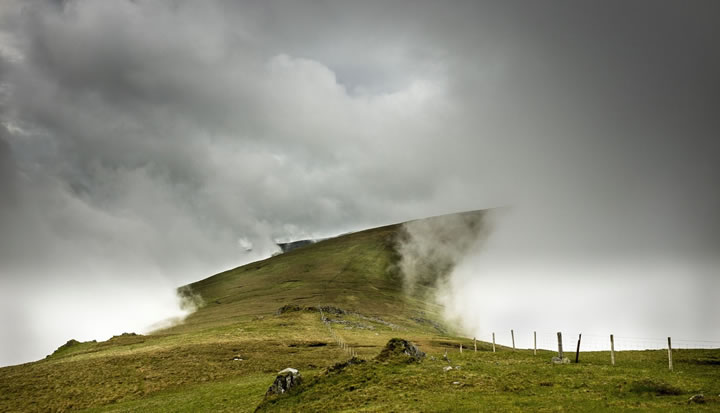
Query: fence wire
[592,342]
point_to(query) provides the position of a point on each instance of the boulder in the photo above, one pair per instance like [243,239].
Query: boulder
[402,350]
[285,381]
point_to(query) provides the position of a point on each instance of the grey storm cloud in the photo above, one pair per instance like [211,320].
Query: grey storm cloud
[147,144]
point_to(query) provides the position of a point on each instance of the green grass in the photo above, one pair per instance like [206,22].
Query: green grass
[512,381]
[191,366]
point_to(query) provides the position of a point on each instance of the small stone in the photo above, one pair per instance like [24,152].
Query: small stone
[448,368]
[456,382]
[558,360]
[698,398]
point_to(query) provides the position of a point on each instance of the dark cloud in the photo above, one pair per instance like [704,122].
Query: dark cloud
[7,171]
[146,144]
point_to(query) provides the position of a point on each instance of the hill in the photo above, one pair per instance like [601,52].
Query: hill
[313,308]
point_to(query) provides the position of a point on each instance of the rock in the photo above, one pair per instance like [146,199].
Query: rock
[558,360]
[398,348]
[698,398]
[331,310]
[448,368]
[446,358]
[285,381]
[456,382]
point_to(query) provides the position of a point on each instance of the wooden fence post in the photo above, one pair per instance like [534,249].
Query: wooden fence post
[560,351]
[512,334]
[670,354]
[612,350]
[577,352]
[475,344]
[460,347]
[493,342]
[534,343]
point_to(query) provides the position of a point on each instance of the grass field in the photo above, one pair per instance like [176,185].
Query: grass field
[225,355]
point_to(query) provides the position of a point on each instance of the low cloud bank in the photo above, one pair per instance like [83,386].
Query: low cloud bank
[528,271]
[84,312]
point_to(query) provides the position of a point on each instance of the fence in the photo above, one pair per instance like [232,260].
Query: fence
[339,340]
[591,342]
[612,343]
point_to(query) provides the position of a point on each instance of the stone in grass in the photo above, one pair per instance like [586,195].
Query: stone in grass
[447,368]
[399,349]
[284,382]
[698,398]
[558,360]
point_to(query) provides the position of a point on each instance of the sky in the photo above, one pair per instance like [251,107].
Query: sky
[148,144]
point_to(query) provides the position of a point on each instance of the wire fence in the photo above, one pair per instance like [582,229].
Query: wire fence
[592,342]
[342,344]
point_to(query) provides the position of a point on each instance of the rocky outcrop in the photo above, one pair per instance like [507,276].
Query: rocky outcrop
[289,246]
[325,309]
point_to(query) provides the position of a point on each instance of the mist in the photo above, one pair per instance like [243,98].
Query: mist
[528,282]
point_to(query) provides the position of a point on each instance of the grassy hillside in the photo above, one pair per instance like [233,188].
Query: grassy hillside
[263,317]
